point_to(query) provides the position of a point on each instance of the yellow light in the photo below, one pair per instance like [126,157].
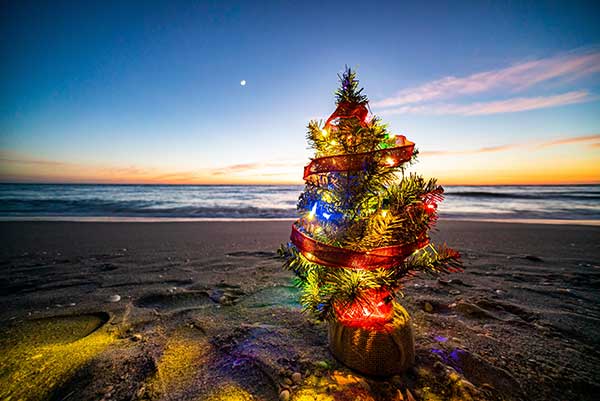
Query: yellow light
[384,213]
[313,211]
[390,161]
[324,132]
[391,136]
[333,142]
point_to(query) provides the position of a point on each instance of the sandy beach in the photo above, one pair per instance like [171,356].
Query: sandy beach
[203,311]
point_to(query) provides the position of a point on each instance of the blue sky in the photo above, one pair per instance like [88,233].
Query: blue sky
[112,92]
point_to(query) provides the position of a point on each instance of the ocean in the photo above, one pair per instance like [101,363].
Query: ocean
[224,202]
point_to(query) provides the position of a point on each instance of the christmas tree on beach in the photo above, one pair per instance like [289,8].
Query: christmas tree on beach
[364,220]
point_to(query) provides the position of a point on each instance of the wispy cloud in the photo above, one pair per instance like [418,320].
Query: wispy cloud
[495,107]
[487,149]
[571,140]
[566,67]
[584,139]
[27,161]
[269,168]
[16,166]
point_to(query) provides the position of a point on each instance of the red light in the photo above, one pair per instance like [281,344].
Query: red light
[373,309]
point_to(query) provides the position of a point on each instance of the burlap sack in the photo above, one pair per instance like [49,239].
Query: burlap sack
[383,352]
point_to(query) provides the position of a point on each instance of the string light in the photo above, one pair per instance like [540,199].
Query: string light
[313,211]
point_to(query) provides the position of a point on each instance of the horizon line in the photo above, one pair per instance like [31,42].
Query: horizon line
[277,184]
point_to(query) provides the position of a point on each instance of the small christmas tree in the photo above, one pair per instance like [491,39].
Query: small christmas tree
[364,222]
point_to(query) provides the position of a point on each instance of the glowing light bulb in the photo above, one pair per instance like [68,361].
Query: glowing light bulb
[390,161]
[384,213]
[333,142]
[324,133]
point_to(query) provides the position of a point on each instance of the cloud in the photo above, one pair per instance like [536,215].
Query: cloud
[487,149]
[16,166]
[528,145]
[515,78]
[281,167]
[568,141]
[236,168]
[495,107]
[10,158]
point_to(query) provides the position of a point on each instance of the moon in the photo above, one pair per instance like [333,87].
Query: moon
[243,82]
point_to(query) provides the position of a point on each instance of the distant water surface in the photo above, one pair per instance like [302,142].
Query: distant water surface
[173,202]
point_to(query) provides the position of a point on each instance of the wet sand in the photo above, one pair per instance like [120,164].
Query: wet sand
[203,311]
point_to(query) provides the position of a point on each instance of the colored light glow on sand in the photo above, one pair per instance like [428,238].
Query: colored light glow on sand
[45,353]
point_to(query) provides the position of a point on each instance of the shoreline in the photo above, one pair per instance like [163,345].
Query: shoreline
[129,219]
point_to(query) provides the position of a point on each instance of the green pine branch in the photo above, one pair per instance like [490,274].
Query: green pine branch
[349,90]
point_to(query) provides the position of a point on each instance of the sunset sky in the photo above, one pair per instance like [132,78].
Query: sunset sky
[150,92]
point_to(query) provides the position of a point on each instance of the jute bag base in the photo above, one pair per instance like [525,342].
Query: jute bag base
[382,352]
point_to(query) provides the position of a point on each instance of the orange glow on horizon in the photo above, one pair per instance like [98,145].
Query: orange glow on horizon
[562,163]
[506,178]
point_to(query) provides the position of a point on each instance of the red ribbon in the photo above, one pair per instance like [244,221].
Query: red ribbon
[391,157]
[327,255]
[348,110]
